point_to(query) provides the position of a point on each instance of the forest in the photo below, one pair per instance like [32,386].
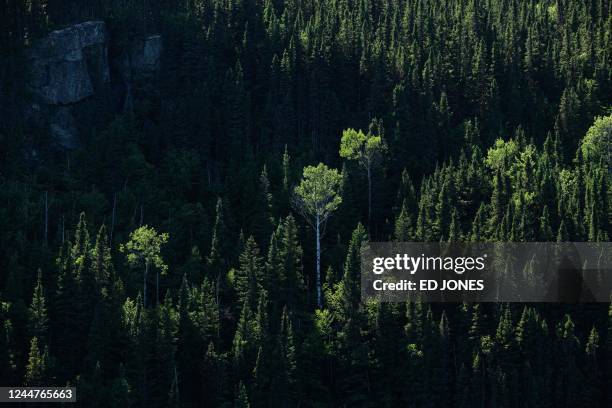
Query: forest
[200,245]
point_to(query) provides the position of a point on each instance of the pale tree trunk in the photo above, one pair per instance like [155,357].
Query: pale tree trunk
[318,232]
[218,293]
[369,169]
[112,229]
[46,218]
[217,288]
[146,274]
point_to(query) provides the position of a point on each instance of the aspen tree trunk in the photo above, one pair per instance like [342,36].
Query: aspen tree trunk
[110,239]
[146,274]
[369,197]
[218,293]
[319,303]
[46,217]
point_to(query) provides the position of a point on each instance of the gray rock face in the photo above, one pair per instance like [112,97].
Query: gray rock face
[63,128]
[70,73]
[139,64]
[145,55]
[60,70]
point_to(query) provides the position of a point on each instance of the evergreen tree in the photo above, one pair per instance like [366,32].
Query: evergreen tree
[101,259]
[242,398]
[38,364]
[217,259]
[7,350]
[249,276]
[38,320]
[404,225]
[292,278]
[592,384]
[545,231]
[243,344]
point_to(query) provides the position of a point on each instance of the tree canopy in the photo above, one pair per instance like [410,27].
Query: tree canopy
[212,176]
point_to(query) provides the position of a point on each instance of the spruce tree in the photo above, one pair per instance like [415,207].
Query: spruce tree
[38,319]
[218,256]
[403,231]
[38,364]
[250,274]
[292,278]
[545,230]
[242,398]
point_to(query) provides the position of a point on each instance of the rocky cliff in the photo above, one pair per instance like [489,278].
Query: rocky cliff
[66,64]
[72,65]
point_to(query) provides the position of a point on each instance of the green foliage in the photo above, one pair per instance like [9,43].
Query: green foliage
[242,398]
[248,278]
[317,195]
[144,248]
[365,148]
[38,319]
[404,225]
[38,365]
[503,156]
[595,146]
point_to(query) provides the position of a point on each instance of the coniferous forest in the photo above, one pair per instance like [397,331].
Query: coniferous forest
[198,244]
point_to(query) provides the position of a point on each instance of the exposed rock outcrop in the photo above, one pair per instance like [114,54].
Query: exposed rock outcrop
[70,68]
[144,55]
[67,63]
[63,127]
[138,65]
